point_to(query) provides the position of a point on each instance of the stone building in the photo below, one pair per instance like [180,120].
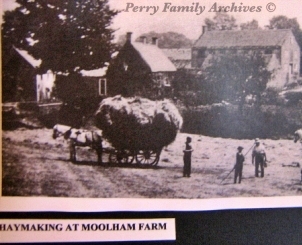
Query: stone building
[279,48]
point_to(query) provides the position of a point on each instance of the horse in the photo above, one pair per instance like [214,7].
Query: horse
[80,137]
[60,130]
[83,138]
[298,136]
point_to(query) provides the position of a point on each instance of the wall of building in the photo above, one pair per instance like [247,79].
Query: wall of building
[128,74]
[284,61]
[45,83]
[290,59]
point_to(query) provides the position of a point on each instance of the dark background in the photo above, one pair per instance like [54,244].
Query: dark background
[253,226]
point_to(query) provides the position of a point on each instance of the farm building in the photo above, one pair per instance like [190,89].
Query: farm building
[22,80]
[180,57]
[140,68]
[96,81]
[279,47]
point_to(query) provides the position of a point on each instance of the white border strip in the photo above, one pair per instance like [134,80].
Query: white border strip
[42,204]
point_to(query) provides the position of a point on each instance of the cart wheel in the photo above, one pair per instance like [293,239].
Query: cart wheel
[147,157]
[122,158]
[113,157]
[131,158]
[125,157]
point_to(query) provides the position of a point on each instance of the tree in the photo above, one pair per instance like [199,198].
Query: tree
[233,77]
[250,25]
[169,39]
[283,22]
[121,41]
[221,21]
[67,36]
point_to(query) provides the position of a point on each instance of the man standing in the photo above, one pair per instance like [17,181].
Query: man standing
[187,158]
[239,165]
[259,157]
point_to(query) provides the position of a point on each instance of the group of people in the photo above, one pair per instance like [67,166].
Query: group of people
[258,159]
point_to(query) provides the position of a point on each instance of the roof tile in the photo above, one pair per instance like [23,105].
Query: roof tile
[154,57]
[242,38]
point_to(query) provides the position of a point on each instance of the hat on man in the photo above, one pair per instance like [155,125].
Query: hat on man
[240,148]
[257,140]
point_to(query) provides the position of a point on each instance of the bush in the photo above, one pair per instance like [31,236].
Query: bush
[76,112]
[226,121]
[293,97]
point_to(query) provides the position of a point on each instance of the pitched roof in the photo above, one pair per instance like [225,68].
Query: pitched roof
[154,57]
[101,72]
[31,60]
[181,58]
[242,38]
[178,53]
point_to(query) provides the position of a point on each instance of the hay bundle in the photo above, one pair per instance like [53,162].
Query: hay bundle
[138,123]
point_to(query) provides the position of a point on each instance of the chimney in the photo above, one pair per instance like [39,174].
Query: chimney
[204,29]
[143,39]
[128,37]
[155,41]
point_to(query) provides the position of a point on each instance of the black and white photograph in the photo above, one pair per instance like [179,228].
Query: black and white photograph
[151,105]
[127,120]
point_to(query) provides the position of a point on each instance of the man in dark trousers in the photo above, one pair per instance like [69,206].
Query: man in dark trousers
[239,165]
[259,157]
[187,158]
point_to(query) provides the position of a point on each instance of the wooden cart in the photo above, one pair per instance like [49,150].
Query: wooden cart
[146,157]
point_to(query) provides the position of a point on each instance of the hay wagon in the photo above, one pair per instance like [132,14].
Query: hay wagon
[137,128]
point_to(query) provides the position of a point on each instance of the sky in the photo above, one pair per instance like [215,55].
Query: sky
[189,23]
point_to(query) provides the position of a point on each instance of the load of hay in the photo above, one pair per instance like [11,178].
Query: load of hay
[138,123]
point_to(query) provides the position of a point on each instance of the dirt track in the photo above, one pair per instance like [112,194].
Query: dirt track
[34,164]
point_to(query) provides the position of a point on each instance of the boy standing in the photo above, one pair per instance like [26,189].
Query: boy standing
[239,165]
[187,158]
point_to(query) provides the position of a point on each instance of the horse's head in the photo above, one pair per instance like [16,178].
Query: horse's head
[296,135]
[55,133]
[59,130]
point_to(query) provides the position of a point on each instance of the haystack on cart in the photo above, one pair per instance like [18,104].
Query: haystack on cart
[137,128]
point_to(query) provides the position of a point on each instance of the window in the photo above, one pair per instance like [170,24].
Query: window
[167,82]
[268,51]
[102,86]
[291,70]
[202,53]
